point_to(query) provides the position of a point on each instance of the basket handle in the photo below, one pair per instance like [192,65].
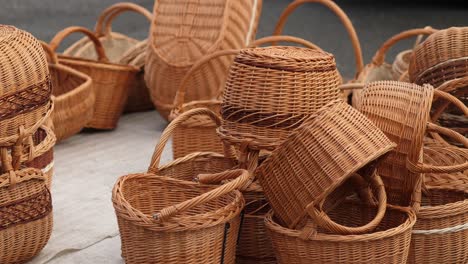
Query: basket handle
[242,177]
[341,15]
[180,95]
[52,56]
[426,168]
[284,38]
[60,36]
[110,13]
[379,56]
[323,220]
[167,133]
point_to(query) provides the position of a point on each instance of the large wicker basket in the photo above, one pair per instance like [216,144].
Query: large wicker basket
[271,91]
[326,150]
[73,96]
[165,220]
[110,80]
[25,213]
[401,110]
[180,38]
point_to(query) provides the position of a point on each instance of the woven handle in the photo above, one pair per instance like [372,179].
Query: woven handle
[425,168]
[379,56]
[284,38]
[341,15]
[180,95]
[50,54]
[154,165]
[55,42]
[110,13]
[242,177]
[324,221]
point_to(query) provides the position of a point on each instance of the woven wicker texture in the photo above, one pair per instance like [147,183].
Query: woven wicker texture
[25,212]
[73,96]
[378,69]
[110,80]
[319,156]
[271,91]
[167,220]
[388,244]
[400,66]
[443,57]
[24,83]
[440,233]
[401,110]
[182,32]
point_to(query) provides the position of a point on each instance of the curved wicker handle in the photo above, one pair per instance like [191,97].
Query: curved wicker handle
[242,177]
[323,220]
[425,168]
[52,56]
[341,15]
[379,56]
[110,13]
[284,38]
[167,133]
[60,36]
[180,95]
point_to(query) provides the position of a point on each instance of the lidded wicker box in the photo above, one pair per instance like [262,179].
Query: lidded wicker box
[271,91]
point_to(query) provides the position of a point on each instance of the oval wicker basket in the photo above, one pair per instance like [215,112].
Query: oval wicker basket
[271,91]
[191,222]
[319,156]
[110,80]
[178,39]
[389,244]
[73,95]
[401,110]
[25,213]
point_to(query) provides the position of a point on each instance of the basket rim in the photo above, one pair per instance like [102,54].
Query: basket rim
[97,64]
[68,70]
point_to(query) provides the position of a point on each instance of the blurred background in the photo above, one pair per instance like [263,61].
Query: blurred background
[374,20]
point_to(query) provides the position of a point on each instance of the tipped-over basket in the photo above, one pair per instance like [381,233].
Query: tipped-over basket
[110,80]
[166,220]
[319,156]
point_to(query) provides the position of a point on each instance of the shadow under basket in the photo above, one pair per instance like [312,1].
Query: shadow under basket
[389,243]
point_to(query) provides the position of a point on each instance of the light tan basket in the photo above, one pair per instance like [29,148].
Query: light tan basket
[271,91]
[180,38]
[320,155]
[110,80]
[185,221]
[401,110]
[73,95]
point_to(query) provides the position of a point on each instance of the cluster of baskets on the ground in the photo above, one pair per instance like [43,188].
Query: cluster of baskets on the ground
[276,158]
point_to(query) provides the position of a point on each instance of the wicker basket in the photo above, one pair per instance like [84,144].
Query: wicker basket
[440,233]
[389,244]
[440,59]
[400,66]
[198,133]
[178,39]
[401,110]
[185,222]
[378,69]
[318,157]
[110,80]
[73,95]
[343,18]
[271,91]
[25,212]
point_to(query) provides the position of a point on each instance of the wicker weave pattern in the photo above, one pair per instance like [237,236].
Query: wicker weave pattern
[182,32]
[326,150]
[271,90]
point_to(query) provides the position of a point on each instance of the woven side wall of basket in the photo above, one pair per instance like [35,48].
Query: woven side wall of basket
[179,38]
[271,91]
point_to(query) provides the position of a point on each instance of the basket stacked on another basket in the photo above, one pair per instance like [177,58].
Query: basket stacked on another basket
[26,139]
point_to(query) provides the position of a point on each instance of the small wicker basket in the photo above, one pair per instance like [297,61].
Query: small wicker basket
[178,39]
[185,221]
[110,80]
